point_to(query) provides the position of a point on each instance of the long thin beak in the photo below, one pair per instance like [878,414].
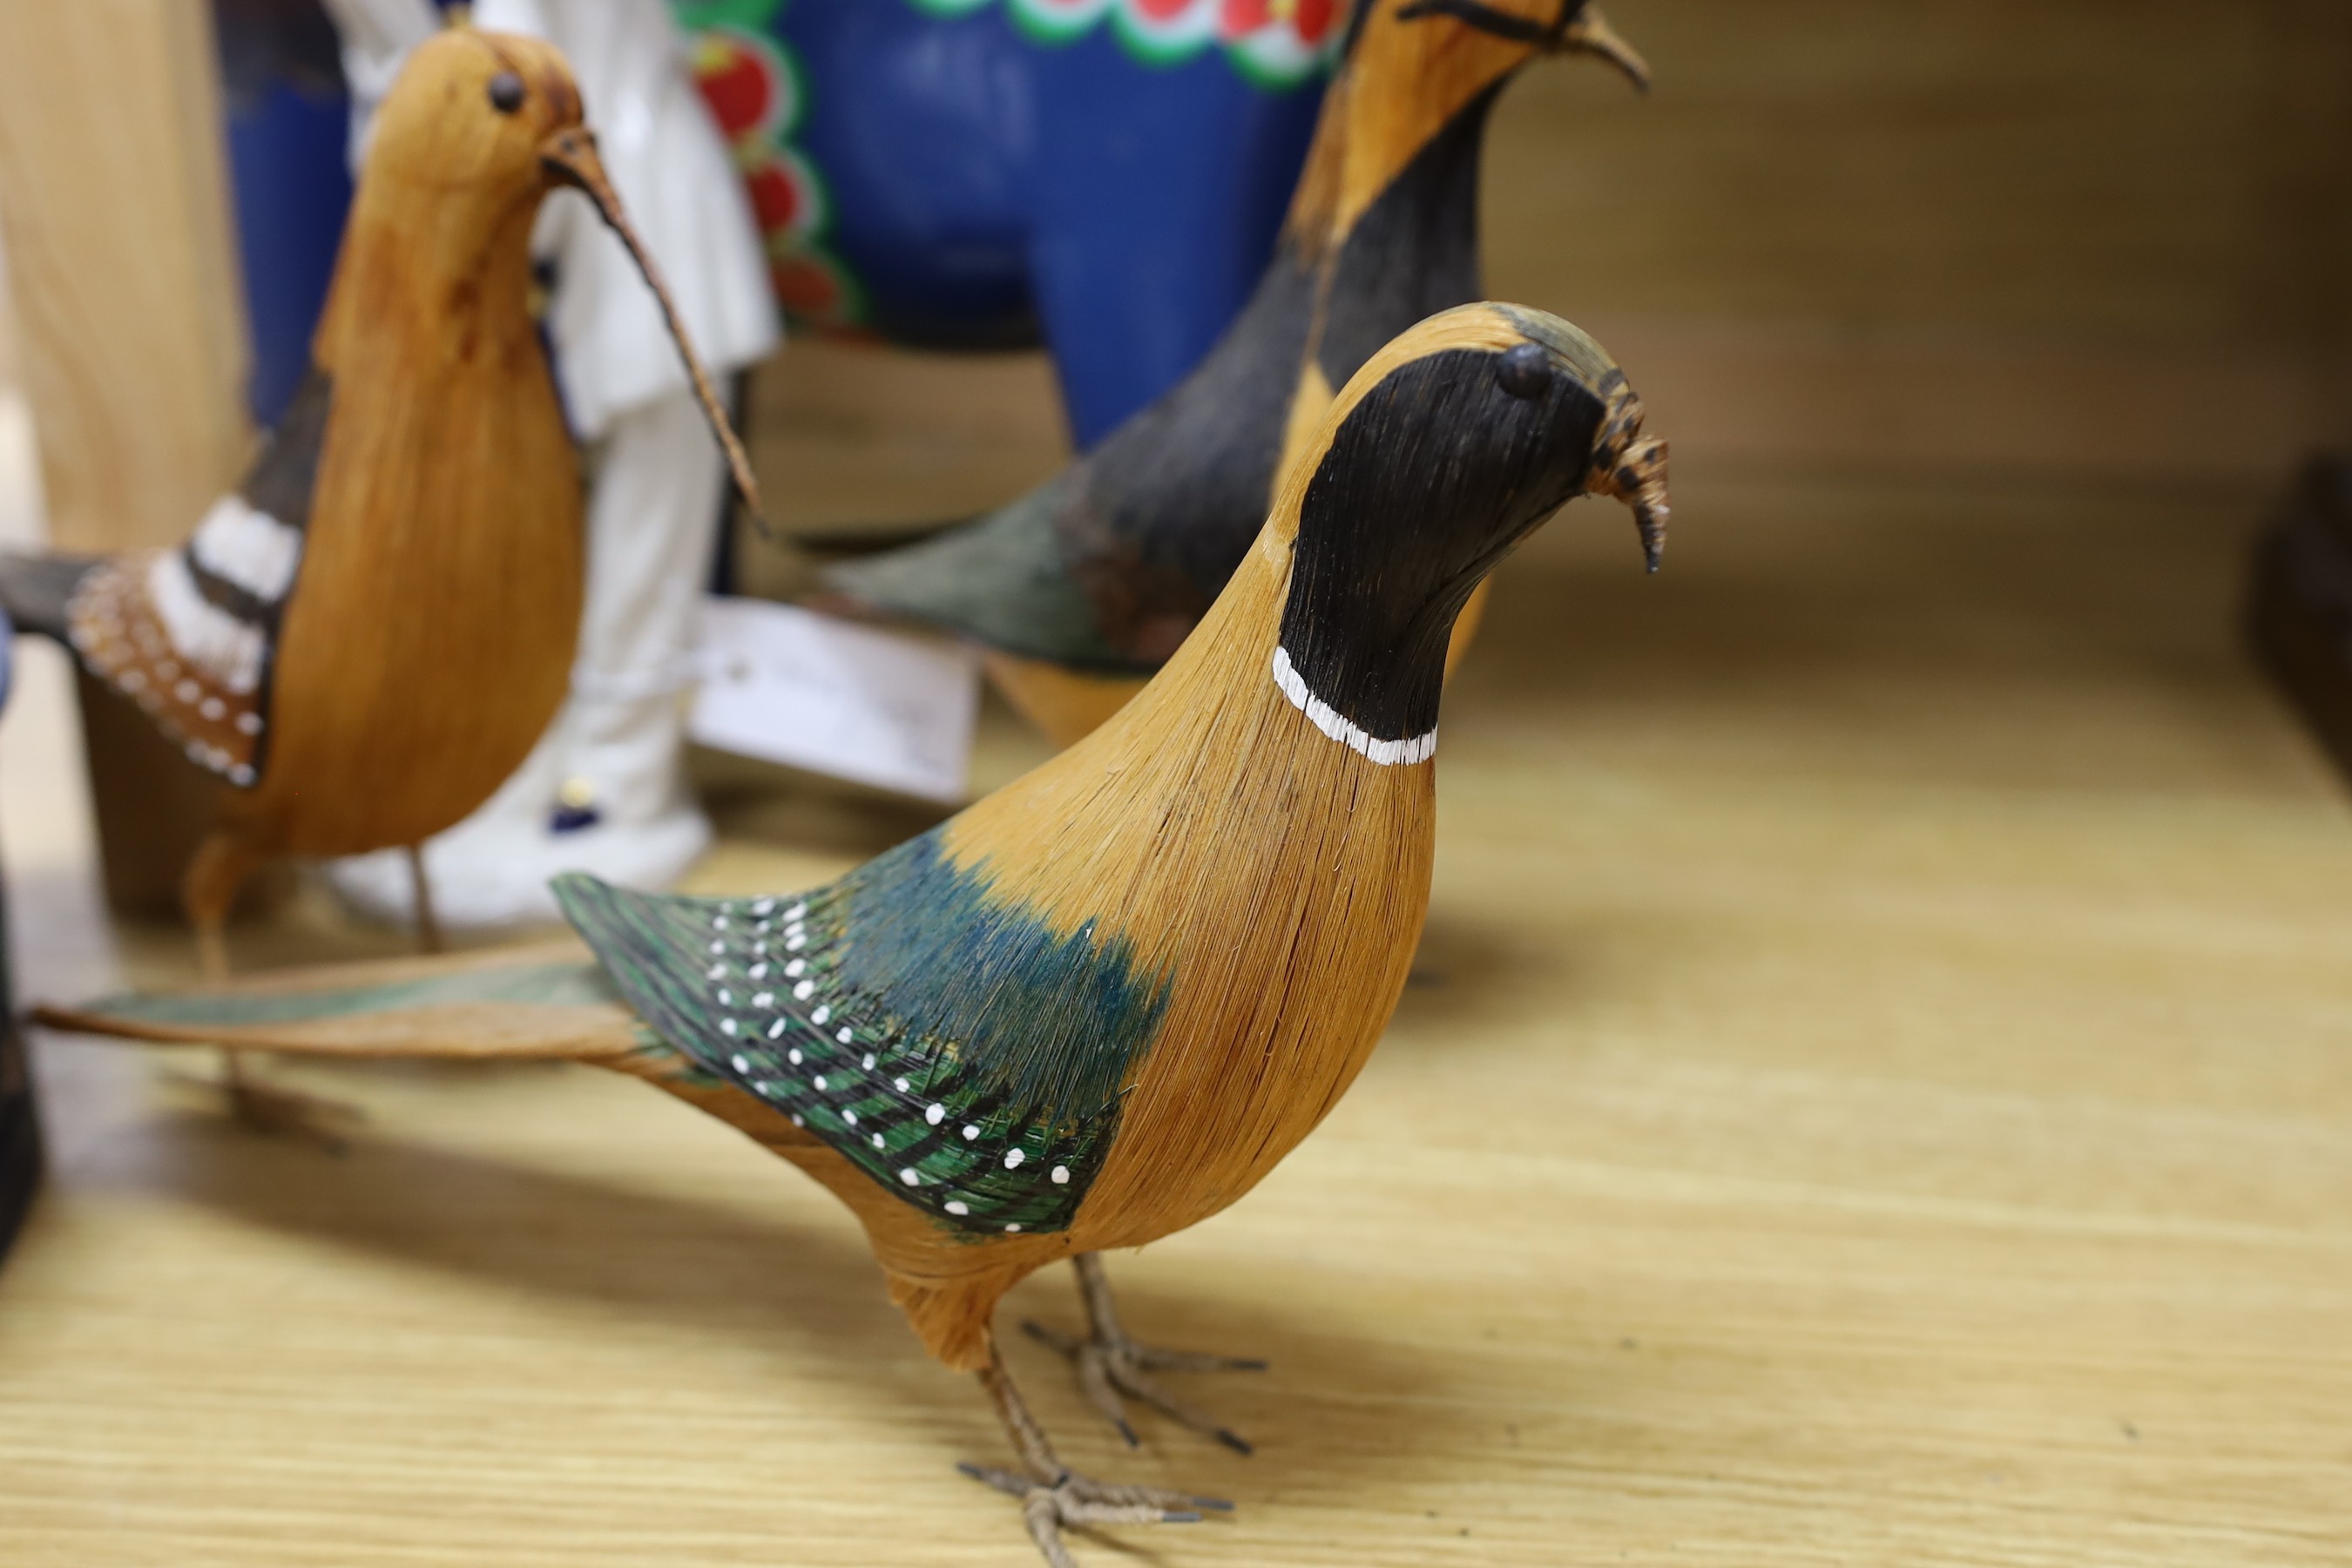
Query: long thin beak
[1591,34]
[571,156]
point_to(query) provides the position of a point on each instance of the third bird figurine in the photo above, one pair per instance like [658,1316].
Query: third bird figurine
[1080,589]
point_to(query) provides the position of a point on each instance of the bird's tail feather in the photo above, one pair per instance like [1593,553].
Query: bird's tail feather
[544,1003]
[871,540]
[35,589]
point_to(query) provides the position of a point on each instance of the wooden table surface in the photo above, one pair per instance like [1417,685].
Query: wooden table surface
[1881,1093]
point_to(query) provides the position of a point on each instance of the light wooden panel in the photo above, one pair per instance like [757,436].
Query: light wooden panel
[123,265]
[1986,233]
[2129,171]
[9,372]
[123,268]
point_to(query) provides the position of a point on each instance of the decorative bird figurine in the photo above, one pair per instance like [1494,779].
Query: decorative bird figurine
[1103,1003]
[1080,589]
[367,639]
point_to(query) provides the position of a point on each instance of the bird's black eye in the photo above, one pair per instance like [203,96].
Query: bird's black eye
[1524,371]
[506,92]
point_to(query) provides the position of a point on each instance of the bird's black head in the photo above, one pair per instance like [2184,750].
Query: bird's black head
[1450,446]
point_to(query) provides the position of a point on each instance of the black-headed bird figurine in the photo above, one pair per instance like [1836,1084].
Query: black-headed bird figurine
[1078,590]
[1104,1002]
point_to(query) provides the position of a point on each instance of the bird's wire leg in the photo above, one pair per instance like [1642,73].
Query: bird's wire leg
[428,926]
[1112,1368]
[264,1107]
[1054,1497]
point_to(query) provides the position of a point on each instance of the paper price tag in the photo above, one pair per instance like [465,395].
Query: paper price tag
[878,706]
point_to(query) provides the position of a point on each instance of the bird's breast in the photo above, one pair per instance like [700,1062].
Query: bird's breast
[432,626]
[1273,878]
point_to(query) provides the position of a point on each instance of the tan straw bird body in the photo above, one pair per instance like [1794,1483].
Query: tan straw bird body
[1103,1003]
[365,640]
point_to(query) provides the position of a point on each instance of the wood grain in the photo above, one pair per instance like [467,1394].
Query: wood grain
[2106,171]
[114,196]
[1881,1094]
[129,331]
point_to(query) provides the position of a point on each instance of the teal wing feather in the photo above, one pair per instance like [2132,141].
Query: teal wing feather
[935,1033]
[516,1005]
[558,985]
[1003,580]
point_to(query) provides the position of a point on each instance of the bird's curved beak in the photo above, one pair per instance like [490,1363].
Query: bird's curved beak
[1630,467]
[569,157]
[1646,466]
[1591,34]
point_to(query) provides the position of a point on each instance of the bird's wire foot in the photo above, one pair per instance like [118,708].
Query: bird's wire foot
[1112,1368]
[1052,1496]
[1074,1501]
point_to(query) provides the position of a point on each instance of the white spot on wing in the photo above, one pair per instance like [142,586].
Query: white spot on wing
[208,636]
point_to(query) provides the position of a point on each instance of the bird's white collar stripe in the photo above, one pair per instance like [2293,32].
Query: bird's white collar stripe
[1327,719]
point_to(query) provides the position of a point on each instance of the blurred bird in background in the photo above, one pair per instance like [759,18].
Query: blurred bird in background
[1084,586]
[365,638]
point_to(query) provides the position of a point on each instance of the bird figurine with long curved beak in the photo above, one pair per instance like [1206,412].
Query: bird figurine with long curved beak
[365,640]
[1078,590]
[1103,1003]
